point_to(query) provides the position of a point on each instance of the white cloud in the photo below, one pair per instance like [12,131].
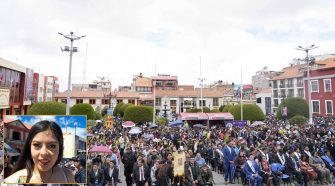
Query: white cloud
[128,37]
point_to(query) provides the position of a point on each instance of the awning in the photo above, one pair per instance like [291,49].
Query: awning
[220,116]
[193,116]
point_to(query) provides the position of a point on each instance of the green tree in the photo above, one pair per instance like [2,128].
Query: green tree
[221,108]
[97,113]
[250,112]
[104,111]
[227,108]
[116,111]
[48,108]
[215,110]
[138,114]
[123,107]
[298,120]
[162,121]
[206,110]
[83,109]
[295,106]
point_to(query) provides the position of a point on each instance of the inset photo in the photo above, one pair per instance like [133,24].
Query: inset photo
[44,149]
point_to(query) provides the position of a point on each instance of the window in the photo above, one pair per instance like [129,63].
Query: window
[300,92]
[315,85]
[92,101]
[62,100]
[16,136]
[275,102]
[329,106]
[316,106]
[131,101]
[158,101]
[327,84]
[79,101]
[202,103]
[119,101]
[300,82]
[105,101]
[173,102]
[215,102]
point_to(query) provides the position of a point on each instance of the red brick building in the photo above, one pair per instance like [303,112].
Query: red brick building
[322,76]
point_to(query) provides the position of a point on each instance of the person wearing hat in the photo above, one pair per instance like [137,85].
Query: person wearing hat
[251,171]
[191,173]
[80,176]
[205,176]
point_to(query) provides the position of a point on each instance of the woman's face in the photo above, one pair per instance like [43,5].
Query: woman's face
[44,150]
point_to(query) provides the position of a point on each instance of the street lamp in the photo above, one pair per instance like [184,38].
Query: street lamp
[72,49]
[308,60]
[154,112]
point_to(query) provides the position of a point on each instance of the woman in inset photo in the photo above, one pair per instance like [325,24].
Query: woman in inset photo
[42,153]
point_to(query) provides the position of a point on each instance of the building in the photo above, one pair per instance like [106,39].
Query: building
[16,133]
[322,76]
[261,80]
[263,100]
[16,84]
[74,145]
[51,88]
[165,82]
[287,83]
[38,88]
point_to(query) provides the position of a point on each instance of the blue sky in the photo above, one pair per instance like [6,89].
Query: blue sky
[61,120]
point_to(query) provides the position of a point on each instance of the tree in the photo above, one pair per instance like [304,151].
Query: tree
[205,109]
[250,112]
[104,111]
[221,108]
[227,108]
[295,106]
[97,113]
[116,111]
[83,109]
[215,110]
[298,120]
[123,107]
[48,108]
[138,114]
[162,121]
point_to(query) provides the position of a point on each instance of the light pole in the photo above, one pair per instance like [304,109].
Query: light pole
[201,86]
[308,61]
[154,111]
[72,49]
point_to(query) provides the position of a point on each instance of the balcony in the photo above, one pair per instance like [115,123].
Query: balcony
[300,84]
[289,85]
[282,86]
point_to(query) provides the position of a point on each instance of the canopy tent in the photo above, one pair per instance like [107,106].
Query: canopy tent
[220,116]
[176,123]
[193,116]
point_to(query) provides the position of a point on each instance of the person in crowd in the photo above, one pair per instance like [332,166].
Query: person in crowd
[329,162]
[266,173]
[229,164]
[251,171]
[95,176]
[80,175]
[128,160]
[200,160]
[320,167]
[205,177]
[306,168]
[164,175]
[141,173]
[111,174]
[293,168]
[192,171]
[41,155]
[153,173]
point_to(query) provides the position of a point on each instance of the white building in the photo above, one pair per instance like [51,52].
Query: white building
[263,100]
[72,145]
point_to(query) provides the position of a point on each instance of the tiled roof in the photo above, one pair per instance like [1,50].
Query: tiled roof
[326,64]
[27,126]
[265,90]
[143,82]
[188,93]
[82,94]
[290,72]
[127,95]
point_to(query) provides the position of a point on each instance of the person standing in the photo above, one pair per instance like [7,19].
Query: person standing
[95,176]
[128,160]
[141,173]
[191,173]
[111,174]
[229,157]
[205,176]
[80,176]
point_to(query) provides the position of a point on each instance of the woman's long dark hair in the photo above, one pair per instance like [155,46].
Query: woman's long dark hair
[25,161]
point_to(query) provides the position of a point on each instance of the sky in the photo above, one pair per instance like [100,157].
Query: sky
[62,121]
[128,37]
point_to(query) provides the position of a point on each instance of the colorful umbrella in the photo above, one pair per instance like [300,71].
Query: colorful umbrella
[135,130]
[103,149]
[128,124]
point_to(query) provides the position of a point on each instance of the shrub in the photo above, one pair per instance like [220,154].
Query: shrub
[83,109]
[123,107]
[48,108]
[116,111]
[227,108]
[295,106]
[138,114]
[215,110]
[298,120]
[250,112]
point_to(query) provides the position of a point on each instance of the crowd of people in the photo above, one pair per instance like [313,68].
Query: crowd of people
[263,155]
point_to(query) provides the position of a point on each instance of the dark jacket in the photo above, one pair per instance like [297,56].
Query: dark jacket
[136,173]
[92,178]
[80,176]
[115,175]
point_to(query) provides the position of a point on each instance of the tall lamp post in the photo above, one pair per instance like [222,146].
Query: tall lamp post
[154,111]
[72,49]
[201,79]
[308,60]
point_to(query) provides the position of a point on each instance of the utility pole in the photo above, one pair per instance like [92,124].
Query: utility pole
[309,60]
[201,87]
[71,50]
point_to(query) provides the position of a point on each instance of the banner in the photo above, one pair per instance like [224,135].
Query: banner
[4,97]
[284,111]
[28,85]
[236,123]
[178,164]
